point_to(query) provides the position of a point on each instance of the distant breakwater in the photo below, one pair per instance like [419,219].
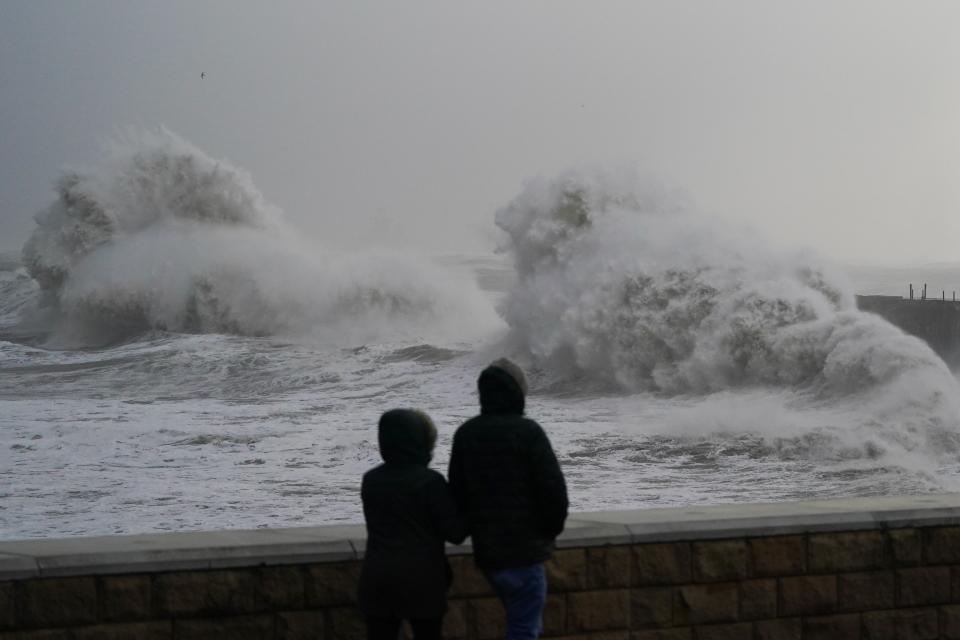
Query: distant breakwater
[934,320]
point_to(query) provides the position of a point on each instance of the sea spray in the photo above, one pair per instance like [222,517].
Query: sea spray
[615,281]
[17,291]
[161,236]
[146,178]
[178,431]
[620,286]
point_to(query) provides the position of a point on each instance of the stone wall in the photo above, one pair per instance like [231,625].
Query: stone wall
[867,568]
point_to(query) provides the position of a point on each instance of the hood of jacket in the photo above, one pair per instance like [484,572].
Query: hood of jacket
[406,437]
[502,388]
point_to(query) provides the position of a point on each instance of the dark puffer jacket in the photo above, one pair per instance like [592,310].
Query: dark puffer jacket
[409,512]
[505,477]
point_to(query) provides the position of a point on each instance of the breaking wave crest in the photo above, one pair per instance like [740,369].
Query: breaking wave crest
[17,292]
[161,236]
[617,282]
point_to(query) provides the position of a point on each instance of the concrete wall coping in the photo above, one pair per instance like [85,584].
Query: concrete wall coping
[100,555]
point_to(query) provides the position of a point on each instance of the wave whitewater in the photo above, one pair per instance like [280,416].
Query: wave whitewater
[673,361]
[617,282]
[159,235]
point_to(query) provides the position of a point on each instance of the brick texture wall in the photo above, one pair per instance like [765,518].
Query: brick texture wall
[895,583]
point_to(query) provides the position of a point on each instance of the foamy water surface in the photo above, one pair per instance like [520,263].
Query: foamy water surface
[183,361]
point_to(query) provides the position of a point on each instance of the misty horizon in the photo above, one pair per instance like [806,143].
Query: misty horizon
[828,127]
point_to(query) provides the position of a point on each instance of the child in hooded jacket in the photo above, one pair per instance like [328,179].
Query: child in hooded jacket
[409,512]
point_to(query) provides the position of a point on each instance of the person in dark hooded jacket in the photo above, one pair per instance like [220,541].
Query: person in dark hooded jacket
[409,512]
[507,482]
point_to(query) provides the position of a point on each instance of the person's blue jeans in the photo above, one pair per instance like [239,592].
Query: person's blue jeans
[523,592]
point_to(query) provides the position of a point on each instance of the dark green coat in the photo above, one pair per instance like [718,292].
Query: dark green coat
[409,513]
[506,479]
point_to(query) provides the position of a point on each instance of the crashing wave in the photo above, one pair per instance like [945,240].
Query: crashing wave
[617,282]
[148,179]
[161,236]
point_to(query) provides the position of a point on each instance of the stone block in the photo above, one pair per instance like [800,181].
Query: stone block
[598,610]
[8,609]
[455,622]
[651,607]
[923,585]
[779,629]
[489,618]
[778,556]
[205,592]
[716,561]
[332,584]
[906,547]
[807,595]
[555,615]
[866,591]
[737,631]
[758,599]
[282,587]
[346,623]
[299,625]
[685,633]
[162,630]
[941,545]
[705,603]
[42,634]
[57,602]
[232,628]
[837,627]
[567,570]
[950,622]
[848,551]
[661,563]
[598,635]
[608,567]
[901,624]
[467,579]
[125,598]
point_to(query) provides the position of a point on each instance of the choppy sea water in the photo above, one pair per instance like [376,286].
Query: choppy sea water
[171,359]
[187,432]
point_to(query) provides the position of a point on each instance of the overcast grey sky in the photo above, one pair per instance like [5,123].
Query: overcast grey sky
[829,124]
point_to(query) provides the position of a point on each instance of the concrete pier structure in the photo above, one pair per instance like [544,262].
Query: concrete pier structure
[934,320]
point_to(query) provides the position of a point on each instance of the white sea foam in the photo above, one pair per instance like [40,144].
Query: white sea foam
[615,282]
[161,236]
[673,361]
[619,284]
